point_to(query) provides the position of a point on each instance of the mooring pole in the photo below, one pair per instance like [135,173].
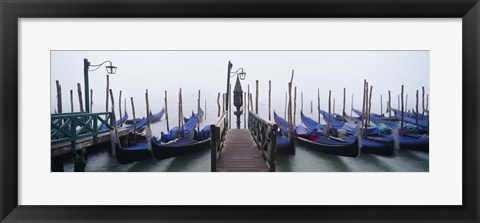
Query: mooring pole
[294,105]
[416,111]
[370,104]
[363,103]
[269,100]
[59,97]
[120,106]
[256,99]
[80,97]
[245,112]
[402,110]
[218,103]
[134,122]
[351,107]
[423,102]
[166,110]
[108,88]
[91,100]
[71,101]
[318,104]
[329,111]
[86,65]
[389,105]
[198,112]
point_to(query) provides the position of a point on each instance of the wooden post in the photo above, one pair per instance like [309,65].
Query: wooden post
[114,120]
[295,106]
[248,103]
[416,116]
[71,101]
[333,106]
[245,113]
[251,101]
[108,88]
[389,105]
[363,103]
[218,103]
[91,101]
[318,104]
[256,99]
[369,105]
[166,111]
[423,102]
[269,100]
[381,106]
[290,127]
[198,112]
[134,122]
[301,101]
[365,119]
[406,103]
[344,98]
[329,110]
[181,114]
[59,97]
[428,111]
[401,123]
[120,106]
[351,107]
[223,102]
[125,105]
[148,130]
[80,97]
[311,106]
[289,110]
[285,113]
[180,121]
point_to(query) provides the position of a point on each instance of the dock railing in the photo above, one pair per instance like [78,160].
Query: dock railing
[264,133]
[73,126]
[218,131]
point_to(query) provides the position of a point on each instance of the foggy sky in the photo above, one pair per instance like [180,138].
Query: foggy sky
[158,71]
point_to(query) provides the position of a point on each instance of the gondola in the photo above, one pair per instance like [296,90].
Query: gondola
[421,123]
[153,117]
[414,140]
[323,143]
[373,143]
[118,122]
[284,145]
[189,144]
[201,116]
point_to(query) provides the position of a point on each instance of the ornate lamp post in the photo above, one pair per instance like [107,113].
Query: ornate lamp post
[86,67]
[238,100]
[240,75]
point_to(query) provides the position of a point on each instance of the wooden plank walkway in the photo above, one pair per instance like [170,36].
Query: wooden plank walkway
[65,147]
[240,153]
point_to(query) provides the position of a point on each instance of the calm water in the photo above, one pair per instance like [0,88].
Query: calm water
[305,160]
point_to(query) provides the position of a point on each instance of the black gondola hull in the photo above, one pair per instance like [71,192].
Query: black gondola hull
[348,150]
[166,151]
[125,156]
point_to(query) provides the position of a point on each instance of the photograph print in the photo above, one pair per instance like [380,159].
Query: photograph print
[239,111]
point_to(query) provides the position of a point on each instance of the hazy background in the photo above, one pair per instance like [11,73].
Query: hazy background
[158,71]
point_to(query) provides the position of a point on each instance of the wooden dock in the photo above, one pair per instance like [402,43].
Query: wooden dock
[240,153]
[65,147]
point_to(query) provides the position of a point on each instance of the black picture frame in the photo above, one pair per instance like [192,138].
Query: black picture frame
[11,11]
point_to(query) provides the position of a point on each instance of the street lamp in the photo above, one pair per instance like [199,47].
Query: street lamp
[86,67]
[241,74]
